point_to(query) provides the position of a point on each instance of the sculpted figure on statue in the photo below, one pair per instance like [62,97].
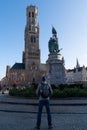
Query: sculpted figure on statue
[53,42]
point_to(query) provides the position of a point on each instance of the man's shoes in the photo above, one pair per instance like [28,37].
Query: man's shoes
[37,127]
[50,127]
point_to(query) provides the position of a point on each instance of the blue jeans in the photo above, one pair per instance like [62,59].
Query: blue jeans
[40,108]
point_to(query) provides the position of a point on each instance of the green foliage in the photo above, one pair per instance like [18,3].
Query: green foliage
[70,92]
[23,92]
[58,92]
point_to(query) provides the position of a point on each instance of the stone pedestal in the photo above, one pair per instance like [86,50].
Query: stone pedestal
[56,69]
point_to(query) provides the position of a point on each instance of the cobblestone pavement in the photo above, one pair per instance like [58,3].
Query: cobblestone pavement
[26,121]
[21,114]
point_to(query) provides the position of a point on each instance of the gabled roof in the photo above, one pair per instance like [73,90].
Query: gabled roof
[18,66]
[74,70]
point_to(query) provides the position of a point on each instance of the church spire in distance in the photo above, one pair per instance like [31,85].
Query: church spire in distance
[77,63]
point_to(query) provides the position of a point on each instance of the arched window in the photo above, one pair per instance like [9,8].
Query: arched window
[31,39]
[29,14]
[32,14]
[29,27]
[34,39]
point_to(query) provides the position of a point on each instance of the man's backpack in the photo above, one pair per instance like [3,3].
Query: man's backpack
[45,90]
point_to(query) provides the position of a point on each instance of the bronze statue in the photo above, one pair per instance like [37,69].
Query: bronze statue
[53,42]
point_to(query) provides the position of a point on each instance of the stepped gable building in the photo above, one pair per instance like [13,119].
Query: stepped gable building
[31,69]
[77,75]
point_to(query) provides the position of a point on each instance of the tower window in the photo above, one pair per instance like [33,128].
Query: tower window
[33,39]
[32,14]
[29,28]
[29,14]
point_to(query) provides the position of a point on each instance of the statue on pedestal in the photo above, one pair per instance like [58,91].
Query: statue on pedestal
[53,42]
[56,69]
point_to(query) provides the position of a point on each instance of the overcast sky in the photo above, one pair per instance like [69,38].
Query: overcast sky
[69,17]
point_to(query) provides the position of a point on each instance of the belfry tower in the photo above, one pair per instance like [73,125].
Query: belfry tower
[31,69]
[31,55]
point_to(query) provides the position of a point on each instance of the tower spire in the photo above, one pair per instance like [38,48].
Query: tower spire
[77,63]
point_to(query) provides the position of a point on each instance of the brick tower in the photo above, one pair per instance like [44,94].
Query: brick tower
[32,52]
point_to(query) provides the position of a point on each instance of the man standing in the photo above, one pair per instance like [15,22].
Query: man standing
[44,91]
